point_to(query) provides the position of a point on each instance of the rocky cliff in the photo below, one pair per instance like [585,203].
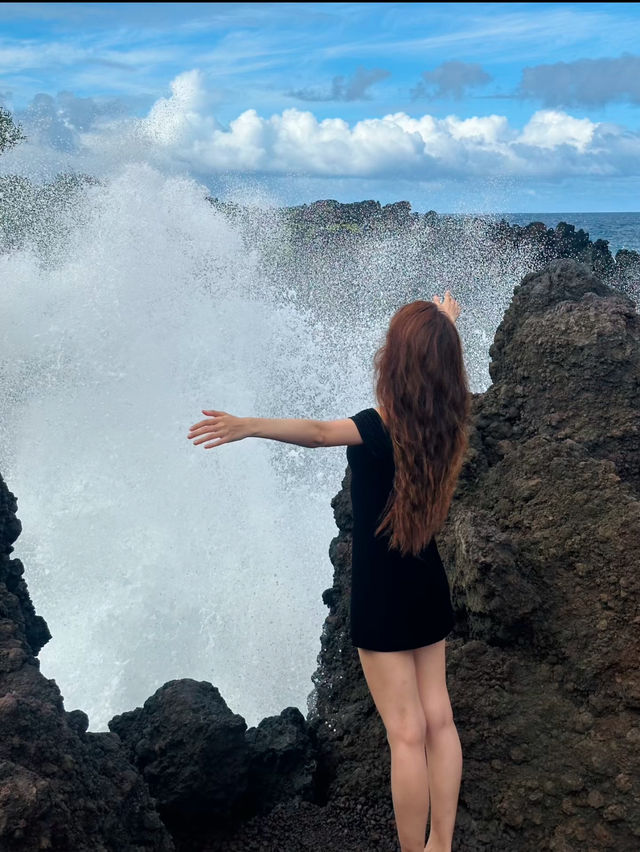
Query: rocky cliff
[542,543]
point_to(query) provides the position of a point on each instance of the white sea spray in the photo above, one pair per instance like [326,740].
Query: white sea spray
[126,311]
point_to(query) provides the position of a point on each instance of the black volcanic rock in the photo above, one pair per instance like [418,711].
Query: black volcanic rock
[563,241]
[282,761]
[565,365]
[191,750]
[205,768]
[61,788]
[31,628]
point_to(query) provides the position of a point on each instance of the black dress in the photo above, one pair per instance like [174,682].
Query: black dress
[397,602]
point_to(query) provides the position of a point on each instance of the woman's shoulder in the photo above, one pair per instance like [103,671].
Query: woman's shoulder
[373,430]
[381,415]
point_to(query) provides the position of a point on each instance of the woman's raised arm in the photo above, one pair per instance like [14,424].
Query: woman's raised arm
[219,427]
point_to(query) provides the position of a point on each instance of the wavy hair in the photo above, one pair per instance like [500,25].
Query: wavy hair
[422,386]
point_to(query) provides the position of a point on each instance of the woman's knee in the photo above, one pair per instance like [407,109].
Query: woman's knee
[407,730]
[438,716]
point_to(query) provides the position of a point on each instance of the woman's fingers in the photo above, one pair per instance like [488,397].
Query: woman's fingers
[210,421]
[202,438]
[209,436]
[442,302]
[209,427]
[202,425]
[203,431]
[448,304]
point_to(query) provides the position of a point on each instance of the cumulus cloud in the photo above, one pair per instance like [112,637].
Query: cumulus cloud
[180,134]
[549,128]
[552,143]
[585,82]
[451,80]
[354,88]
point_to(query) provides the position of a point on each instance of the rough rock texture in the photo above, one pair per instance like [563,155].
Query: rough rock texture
[282,761]
[190,748]
[202,764]
[61,788]
[543,541]
[565,365]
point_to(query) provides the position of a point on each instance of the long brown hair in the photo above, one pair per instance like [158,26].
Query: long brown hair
[422,387]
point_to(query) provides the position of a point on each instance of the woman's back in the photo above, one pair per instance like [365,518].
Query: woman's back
[397,602]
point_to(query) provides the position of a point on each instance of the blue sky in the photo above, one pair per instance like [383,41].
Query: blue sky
[524,106]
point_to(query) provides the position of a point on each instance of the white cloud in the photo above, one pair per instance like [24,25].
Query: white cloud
[550,128]
[180,133]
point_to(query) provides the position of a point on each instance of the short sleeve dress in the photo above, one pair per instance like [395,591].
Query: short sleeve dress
[397,602]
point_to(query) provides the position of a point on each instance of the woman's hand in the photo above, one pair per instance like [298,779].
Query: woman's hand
[448,305]
[219,428]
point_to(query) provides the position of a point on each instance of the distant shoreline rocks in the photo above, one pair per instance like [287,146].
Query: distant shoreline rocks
[328,220]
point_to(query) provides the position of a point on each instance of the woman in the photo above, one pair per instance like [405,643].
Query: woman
[405,457]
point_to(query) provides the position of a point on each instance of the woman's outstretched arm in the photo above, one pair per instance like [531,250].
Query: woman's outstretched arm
[219,427]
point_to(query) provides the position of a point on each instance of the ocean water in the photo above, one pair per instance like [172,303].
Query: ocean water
[124,314]
[622,230]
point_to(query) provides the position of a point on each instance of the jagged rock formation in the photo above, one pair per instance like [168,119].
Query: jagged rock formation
[203,766]
[543,541]
[61,788]
[282,761]
[190,748]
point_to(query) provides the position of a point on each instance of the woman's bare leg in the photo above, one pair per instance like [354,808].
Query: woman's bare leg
[443,745]
[391,678]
